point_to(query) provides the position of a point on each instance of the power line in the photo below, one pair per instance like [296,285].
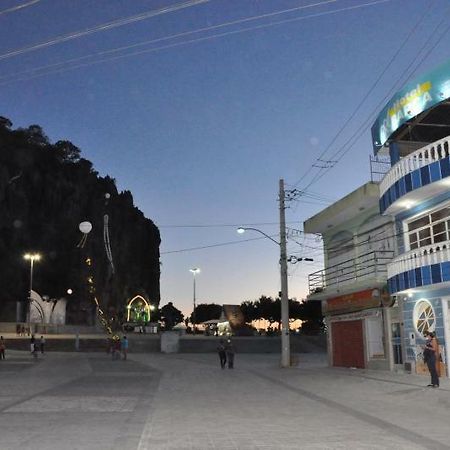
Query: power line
[14,77]
[215,245]
[18,7]
[102,27]
[222,225]
[365,125]
[332,161]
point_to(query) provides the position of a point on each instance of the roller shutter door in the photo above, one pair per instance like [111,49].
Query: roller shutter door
[348,347]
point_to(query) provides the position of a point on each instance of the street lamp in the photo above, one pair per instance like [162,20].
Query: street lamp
[31,257]
[285,341]
[194,272]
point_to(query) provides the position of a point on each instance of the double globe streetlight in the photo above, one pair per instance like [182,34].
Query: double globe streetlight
[285,342]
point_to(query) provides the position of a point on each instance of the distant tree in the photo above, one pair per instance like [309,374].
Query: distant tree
[171,316]
[204,312]
[295,310]
[250,311]
[5,122]
[67,152]
[311,314]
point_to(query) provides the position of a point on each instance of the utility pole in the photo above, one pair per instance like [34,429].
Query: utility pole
[285,338]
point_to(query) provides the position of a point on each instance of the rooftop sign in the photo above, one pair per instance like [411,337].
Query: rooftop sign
[416,97]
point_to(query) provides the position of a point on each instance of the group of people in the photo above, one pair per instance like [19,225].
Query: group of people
[431,358]
[119,348]
[37,345]
[226,353]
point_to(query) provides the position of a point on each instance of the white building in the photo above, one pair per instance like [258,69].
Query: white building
[363,325]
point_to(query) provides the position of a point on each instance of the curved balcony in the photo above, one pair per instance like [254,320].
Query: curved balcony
[416,177]
[424,266]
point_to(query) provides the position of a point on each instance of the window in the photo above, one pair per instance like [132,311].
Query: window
[429,229]
[424,317]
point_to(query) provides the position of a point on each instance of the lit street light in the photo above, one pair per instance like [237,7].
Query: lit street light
[31,257]
[285,341]
[194,272]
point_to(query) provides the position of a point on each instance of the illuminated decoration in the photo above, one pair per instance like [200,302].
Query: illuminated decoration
[106,240]
[416,97]
[424,317]
[85,228]
[138,309]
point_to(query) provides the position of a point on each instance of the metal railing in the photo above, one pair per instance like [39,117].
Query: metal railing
[423,157]
[370,265]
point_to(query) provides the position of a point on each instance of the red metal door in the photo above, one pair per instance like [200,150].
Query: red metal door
[348,346]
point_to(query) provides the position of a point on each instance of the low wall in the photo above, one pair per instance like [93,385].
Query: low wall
[186,344]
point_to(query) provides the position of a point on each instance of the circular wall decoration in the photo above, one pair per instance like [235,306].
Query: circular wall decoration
[424,317]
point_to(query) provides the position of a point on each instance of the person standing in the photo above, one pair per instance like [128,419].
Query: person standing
[2,348]
[229,349]
[32,341]
[42,342]
[124,347]
[430,356]
[222,354]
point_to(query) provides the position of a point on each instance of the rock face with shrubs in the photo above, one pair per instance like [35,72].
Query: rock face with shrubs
[46,190]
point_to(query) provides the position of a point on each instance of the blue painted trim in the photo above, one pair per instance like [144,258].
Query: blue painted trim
[422,276]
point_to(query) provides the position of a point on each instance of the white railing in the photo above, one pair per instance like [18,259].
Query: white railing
[423,256]
[419,158]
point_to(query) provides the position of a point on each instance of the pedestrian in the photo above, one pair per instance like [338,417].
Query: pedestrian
[32,341]
[430,356]
[42,342]
[124,347]
[222,354]
[35,350]
[229,349]
[115,349]
[2,348]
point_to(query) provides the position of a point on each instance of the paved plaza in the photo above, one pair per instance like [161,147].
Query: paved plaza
[87,401]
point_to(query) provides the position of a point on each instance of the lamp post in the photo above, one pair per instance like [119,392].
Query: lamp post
[30,257]
[285,338]
[194,272]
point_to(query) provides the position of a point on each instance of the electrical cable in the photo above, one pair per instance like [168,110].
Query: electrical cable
[362,129]
[215,245]
[18,7]
[365,97]
[11,78]
[102,27]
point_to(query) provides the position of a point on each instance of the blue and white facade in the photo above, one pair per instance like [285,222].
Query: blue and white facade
[415,192]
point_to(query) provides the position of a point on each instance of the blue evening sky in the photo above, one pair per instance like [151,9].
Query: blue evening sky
[201,132]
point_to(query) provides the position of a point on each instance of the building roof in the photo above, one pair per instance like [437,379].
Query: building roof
[365,197]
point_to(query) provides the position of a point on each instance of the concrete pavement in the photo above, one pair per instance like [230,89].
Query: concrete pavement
[185,401]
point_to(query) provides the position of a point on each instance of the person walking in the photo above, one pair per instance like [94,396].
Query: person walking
[430,356]
[229,349]
[32,341]
[42,342]
[222,354]
[2,348]
[124,347]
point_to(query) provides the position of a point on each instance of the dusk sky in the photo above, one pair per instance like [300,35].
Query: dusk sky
[200,107]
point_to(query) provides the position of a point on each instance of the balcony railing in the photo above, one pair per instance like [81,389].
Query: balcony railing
[415,160]
[419,257]
[370,266]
